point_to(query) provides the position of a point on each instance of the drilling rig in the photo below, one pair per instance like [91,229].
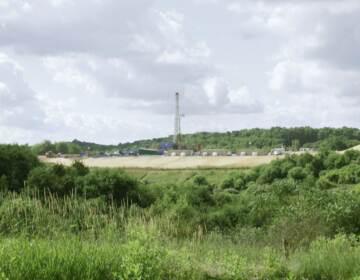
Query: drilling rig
[177,132]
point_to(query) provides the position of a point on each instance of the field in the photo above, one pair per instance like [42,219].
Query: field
[162,162]
[179,176]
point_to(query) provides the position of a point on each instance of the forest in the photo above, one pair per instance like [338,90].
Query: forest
[244,140]
[295,218]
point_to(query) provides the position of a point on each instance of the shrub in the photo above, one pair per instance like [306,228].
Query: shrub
[108,183]
[334,160]
[352,156]
[304,159]
[15,163]
[58,170]
[286,166]
[228,183]
[79,168]
[262,208]
[200,180]
[4,184]
[350,174]
[45,179]
[199,196]
[325,184]
[283,188]
[342,212]
[228,216]
[236,181]
[60,180]
[298,173]
[270,173]
[222,197]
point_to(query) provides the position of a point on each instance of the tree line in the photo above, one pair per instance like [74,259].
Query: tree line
[242,140]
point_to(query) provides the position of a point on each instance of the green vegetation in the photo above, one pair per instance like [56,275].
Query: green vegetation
[179,177]
[15,165]
[264,139]
[296,218]
[243,140]
[74,147]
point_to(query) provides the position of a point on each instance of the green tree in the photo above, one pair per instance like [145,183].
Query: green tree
[15,164]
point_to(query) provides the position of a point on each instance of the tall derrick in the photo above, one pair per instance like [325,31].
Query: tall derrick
[177,132]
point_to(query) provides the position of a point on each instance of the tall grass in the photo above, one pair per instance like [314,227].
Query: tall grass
[337,258]
[75,238]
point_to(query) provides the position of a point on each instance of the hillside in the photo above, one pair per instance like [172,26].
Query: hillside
[264,139]
[244,140]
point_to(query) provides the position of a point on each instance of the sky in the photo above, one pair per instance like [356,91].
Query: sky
[107,71]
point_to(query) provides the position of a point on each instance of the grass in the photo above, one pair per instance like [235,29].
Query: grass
[153,176]
[141,256]
[87,239]
[335,259]
[78,239]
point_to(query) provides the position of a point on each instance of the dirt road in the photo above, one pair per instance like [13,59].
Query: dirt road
[163,162]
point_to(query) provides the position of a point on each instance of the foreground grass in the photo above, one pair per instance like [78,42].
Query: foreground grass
[135,258]
[82,239]
[142,257]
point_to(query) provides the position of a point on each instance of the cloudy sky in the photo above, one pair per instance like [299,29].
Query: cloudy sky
[107,70]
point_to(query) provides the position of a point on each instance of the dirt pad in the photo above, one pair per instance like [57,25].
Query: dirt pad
[163,162]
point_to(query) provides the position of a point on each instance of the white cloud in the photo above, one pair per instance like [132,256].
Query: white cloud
[216,90]
[18,104]
[97,67]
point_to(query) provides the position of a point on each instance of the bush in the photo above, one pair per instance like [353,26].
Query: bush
[271,172]
[226,217]
[200,180]
[263,208]
[222,197]
[325,184]
[297,173]
[80,169]
[349,174]
[15,164]
[304,159]
[45,179]
[351,156]
[283,188]
[342,212]
[236,181]
[334,161]
[108,183]
[4,184]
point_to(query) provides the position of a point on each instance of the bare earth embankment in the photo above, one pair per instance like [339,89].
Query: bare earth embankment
[162,162]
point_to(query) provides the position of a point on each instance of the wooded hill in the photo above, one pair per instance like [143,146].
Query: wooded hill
[246,139]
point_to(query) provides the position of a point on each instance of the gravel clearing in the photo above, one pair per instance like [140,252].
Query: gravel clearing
[164,162]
